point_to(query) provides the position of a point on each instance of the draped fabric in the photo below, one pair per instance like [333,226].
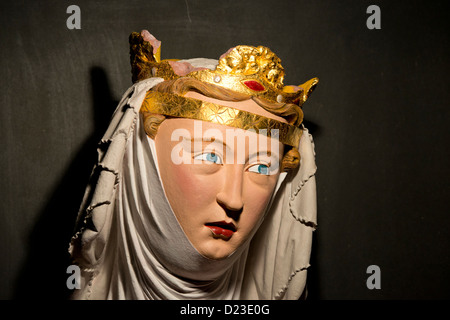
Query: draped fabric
[130,245]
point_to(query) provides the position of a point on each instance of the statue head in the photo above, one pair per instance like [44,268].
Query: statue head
[205,178]
[222,138]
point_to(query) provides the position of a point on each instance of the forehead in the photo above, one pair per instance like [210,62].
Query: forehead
[211,134]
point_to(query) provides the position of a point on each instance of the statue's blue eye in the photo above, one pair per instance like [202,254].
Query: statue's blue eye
[209,156]
[259,168]
[212,157]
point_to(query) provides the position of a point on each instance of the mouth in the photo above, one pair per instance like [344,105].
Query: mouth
[222,229]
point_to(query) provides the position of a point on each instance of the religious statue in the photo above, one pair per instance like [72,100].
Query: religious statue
[205,183]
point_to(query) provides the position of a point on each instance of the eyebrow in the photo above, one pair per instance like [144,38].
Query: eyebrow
[213,139]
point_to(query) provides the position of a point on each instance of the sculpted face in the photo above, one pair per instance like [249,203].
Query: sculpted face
[218,179]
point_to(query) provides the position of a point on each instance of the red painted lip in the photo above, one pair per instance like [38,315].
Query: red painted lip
[222,229]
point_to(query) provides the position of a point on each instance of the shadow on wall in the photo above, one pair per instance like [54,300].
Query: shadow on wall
[312,280]
[43,274]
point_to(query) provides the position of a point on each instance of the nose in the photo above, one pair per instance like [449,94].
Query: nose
[230,197]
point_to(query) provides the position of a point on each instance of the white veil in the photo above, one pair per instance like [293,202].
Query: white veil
[123,245]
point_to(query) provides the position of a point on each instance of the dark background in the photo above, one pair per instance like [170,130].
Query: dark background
[379,117]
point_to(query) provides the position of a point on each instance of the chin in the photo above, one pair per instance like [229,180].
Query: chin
[216,249]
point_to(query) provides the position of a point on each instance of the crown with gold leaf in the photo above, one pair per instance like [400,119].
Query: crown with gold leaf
[255,71]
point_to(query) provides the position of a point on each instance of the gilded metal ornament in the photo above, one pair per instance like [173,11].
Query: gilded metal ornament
[255,71]
[173,105]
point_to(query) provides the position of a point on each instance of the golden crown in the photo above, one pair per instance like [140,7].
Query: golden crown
[255,71]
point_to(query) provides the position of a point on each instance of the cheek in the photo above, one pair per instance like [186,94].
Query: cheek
[256,198]
[256,203]
[190,190]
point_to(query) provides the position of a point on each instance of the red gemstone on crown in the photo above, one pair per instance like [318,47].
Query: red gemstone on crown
[254,85]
